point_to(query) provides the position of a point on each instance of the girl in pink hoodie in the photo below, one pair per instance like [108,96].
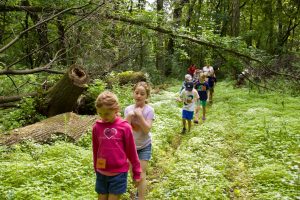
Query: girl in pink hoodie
[113,146]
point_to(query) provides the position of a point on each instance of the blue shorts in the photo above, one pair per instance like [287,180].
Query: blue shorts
[145,153]
[111,184]
[187,114]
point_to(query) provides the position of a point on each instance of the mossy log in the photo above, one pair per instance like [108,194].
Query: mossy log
[62,97]
[69,125]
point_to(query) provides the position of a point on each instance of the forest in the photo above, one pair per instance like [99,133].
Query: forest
[57,56]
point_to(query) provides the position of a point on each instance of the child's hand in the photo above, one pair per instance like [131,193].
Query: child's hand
[138,111]
[131,113]
[179,100]
[136,182]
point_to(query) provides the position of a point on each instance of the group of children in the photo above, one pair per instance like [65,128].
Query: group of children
[119,144]
[197,89]
[122,144]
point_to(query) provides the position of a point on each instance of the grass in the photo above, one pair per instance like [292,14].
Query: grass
[248,148]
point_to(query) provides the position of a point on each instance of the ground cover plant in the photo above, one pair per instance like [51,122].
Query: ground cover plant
[248,148]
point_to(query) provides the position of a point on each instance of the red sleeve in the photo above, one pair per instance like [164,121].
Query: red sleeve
[95,145]
[131,153]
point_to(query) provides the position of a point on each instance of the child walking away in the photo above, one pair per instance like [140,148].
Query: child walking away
[187,78]
[189,96]
[211,83]
[140,115]
[113,146]
[196,75]
[201,87]
[191,69]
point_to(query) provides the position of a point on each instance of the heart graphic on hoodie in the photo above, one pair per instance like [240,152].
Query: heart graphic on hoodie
[110,132]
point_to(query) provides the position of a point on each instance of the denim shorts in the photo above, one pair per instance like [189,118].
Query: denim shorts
[145,153]
[111,184]
[187,114]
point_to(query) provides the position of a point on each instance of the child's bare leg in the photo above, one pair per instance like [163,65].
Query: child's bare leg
[203,112]
[189,124]
[143,184]
[211,95]
[208,95]
[103,197]
[197,113]
[184,123]
[114,197]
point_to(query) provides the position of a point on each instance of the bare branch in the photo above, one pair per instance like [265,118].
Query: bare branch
[38,24]
[171,33]
[6,99]
[8,105]
[66,30]
[260,86]
[30,71]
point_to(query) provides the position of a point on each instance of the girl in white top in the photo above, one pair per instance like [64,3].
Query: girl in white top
[140,115]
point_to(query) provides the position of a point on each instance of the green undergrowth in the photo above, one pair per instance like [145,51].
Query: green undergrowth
[248,148]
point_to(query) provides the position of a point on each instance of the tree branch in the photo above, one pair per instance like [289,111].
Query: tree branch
[66,30]
[7,99]
[261,86]
[38,24]
[171,33]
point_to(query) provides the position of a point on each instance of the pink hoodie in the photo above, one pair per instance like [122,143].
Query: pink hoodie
[113,144]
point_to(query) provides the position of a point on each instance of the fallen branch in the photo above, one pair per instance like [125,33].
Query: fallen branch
[6,99]
[171,33]
[260,86]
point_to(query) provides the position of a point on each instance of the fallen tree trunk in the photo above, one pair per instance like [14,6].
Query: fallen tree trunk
[62,97]
[68,124]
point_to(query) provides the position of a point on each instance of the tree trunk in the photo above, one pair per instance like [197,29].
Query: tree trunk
[159,61]
[62,97]
[235,18]
[69,125]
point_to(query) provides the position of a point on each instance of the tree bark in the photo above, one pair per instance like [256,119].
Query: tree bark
[62,97]
[159,57]
[235,18]
[69,125]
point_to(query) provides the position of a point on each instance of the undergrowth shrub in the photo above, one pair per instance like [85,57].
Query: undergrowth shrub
[26,114]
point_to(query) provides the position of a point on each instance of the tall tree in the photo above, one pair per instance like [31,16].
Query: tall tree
[235,18]
[159,42]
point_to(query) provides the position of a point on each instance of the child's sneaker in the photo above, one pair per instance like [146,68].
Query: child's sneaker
[183,130]
[203,118]
[196,122]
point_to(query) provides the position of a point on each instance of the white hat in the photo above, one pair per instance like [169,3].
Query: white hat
[188,77]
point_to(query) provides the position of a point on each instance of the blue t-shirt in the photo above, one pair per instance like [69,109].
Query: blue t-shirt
[202,90]
[211,81]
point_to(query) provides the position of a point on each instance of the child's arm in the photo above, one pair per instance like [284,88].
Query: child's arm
[145,124]
[131,154]
[128,115]
[95,145]
[196,94]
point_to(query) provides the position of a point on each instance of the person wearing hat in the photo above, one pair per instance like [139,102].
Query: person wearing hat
[187,78]
[189,97]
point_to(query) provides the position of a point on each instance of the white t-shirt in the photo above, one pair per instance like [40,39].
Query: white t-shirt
[141,139]
[189,99]
[208,69]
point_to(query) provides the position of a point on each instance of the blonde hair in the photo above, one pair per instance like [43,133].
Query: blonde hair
[202,76]
[107,99]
